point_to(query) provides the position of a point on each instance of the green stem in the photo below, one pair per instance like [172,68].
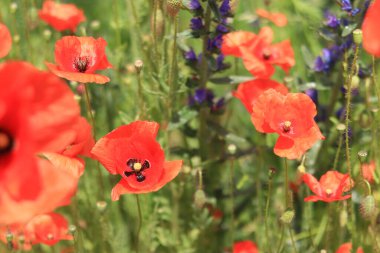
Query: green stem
[286,184]
[172,70]
[336,159]
[292,239]
[139,224]
[140,96]
[232,199]
[279,247]
[268,241]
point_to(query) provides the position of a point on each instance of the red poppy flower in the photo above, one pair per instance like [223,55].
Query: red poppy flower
[78,58]
[330,187]
[371,36]
[279,19]
[132,151]
[245,247]
[61,16]
[38,115]
[347,247]
[46,229]
[292,117]
[5,41]
[249,91]
[368,170]
[258,54]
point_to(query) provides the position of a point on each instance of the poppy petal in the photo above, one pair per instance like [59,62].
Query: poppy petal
[171,170]
[73,166]
[370,28]
[78,77]
[5,41]
[312,199]
[146,128]
[313,184]
[234,41]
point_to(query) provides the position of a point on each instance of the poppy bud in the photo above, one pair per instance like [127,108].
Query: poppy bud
[358,36]
[355,82]
[13,7]
[139,64]
[301,169]
[231,149]
[16,38]
[72,229]
[47,34]
[101,206]
[95,24]
[341,127]
[367,207]
[288,216]
[362,155]
[21,239]
[199,198]
[343,218]
[9,238]
[173,7]
[365,120]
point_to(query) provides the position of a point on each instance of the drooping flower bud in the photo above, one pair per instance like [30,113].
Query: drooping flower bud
[367,207]
[200,198]
[288,216]
[358,36]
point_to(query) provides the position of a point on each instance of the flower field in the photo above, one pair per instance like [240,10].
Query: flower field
[189,126]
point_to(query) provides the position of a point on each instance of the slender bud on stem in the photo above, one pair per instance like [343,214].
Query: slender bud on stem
[358,36]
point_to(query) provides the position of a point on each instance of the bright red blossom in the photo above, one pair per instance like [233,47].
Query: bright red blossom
[245,247]
[258,53]
[370,28]
[38,119]
[292,117]
[61,16]
[78,58]
[132,152]
[5,41]
[279,19]
[249,91]
[368,170]
[46,229]
[330,187]
[347,247]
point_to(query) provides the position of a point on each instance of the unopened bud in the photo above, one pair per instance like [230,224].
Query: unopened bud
[47,34]
[95,24]
[367,207]
[139,65]
[232,149]
[288,216]
[301,169]
[16,38]
[101,206]
[362,155]
[341,127]
[271,172]
[72,229]
[158,19]
[358,36]
[9,236]
[13,7]
[200,198]
[355,82]
[365,120]
[21,239]
[173,7]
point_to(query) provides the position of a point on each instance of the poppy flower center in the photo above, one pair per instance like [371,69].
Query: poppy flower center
[81,63]
[266,54]
[6,142]
[138,167]
[328,192]
[286,126]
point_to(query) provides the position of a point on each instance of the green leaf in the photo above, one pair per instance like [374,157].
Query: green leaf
[184,116]
[347,30]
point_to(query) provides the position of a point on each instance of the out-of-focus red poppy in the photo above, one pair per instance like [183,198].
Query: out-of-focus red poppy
[347,247]
[5,41]
[292,117]
[38,114]
[258,53]
[370,28]
[47,229]
[368,170]
[279,19]
[61,16]
[330,187]
[245,247]
[249,91]
[78,58]
[132,151]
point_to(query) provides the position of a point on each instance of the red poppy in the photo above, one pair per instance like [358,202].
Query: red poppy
[38,115]
[78,58]
[279,19]
[61,16]
[347,247]
[368,170]
[330,187]
[245,247]
[132,151]
[292,117]
[258,54]
[47,229]
[249,91]
[371,36]
[5,41]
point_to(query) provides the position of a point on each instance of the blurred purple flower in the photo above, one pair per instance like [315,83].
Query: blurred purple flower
[201,96]
[215,43]
[347,7]
[326,61]
[313,94]
[190,55]
[331,20]
[196,24]
[195,5]
[225,8]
